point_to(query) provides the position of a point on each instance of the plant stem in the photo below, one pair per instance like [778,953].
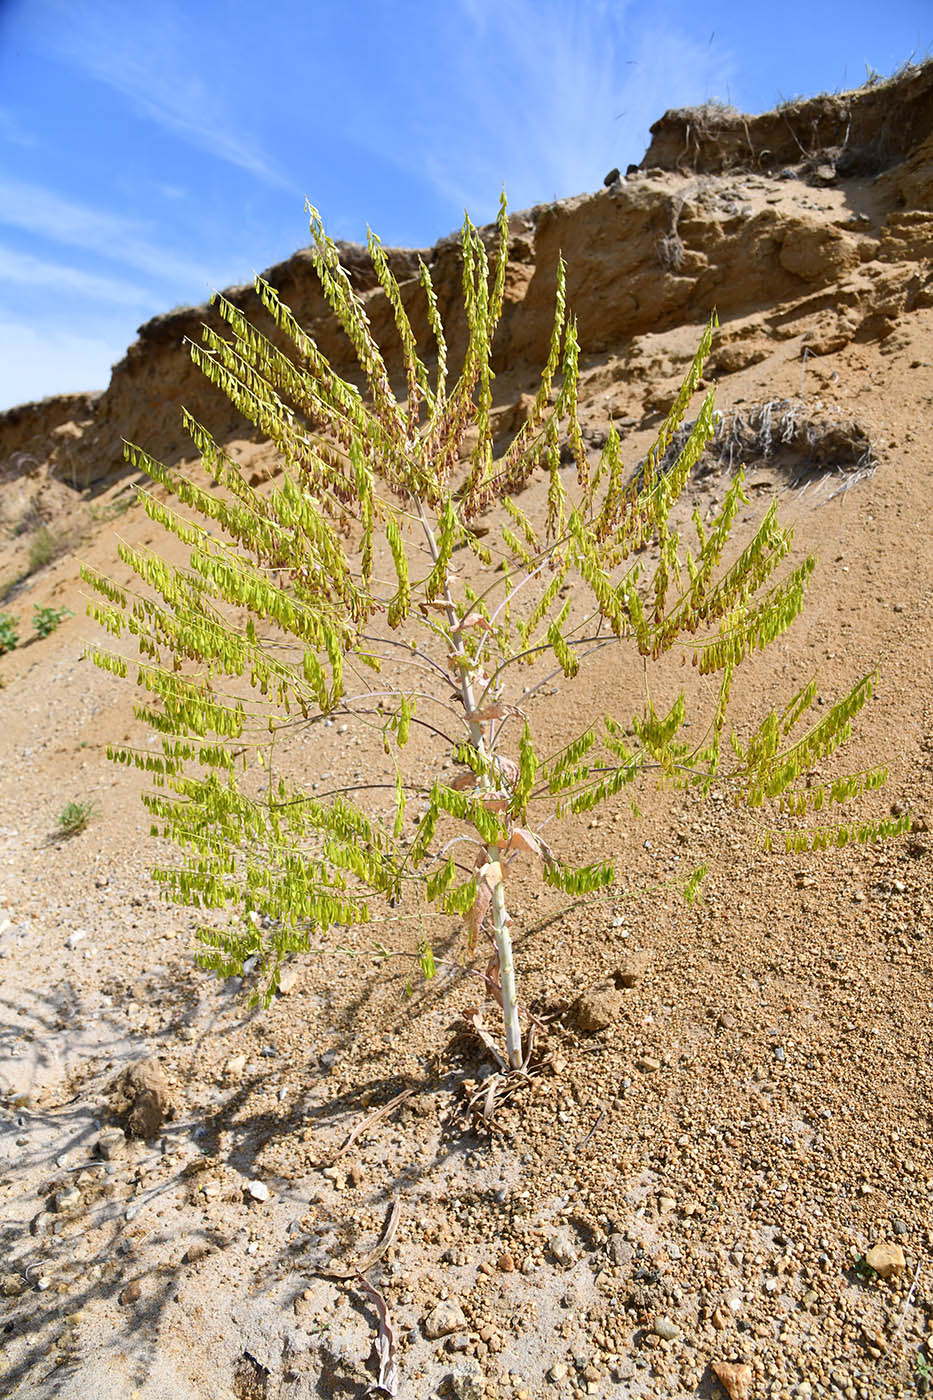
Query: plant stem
[503,939]
[500,919]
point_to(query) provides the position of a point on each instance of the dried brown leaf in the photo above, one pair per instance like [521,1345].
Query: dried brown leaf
[473,619]
[384,1345]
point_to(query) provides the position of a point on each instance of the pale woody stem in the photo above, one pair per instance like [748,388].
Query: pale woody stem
[513,1030]
[503,939]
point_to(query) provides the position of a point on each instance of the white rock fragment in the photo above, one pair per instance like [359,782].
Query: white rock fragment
[258,1190]
[447,1316]
[561,1248]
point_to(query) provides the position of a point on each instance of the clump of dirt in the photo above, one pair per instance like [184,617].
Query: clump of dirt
[141,1100]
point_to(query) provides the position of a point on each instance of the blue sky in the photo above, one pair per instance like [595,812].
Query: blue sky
[152,152]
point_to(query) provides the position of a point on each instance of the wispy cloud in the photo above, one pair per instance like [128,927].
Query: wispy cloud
[25,270]
[546,95]
[149,55]
[113,237]
[14,133]
[37,361]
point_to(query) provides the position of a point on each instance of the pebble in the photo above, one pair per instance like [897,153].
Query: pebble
[258,1190]
[620,1251]
[561,1247]
[558,1371]
[111,1143]
[779,1053]
[665,1329]
[197,1251]
[12,1285]
[446,1316]
[887,1260]
[288,980]
[647,1064]
[736,1380]
[468,1384]
[66,1199]
[41,1223]
[505,1263]
[131,1293]
[75,938]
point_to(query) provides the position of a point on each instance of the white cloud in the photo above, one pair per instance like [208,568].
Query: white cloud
[113,237]
[149,55]
[14,133]
[28,271]
[35,362]
[546,95]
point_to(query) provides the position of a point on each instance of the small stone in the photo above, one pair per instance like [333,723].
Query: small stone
[288,979]
[598,1008]
[900,1227]
[446,1316]
[258,1190]
[73,939]
[355,1174]
[12,1285]
[736,1380]
[561,1247]
[67,1199]
[887,1260]
[111,1143]
[558,1371]
[720,1319]
[235,1066]
[196,1252]
[779,1054]
[131,1293]
[620,1251]
[469,1383]
[505,1263]
[665,1329]
[810,1297]
[41,1223]
[632,970]
[648,1064]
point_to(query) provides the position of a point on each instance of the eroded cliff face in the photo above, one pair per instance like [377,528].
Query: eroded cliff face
[818,212]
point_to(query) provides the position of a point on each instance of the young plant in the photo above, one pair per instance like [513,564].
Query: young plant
[46,620]
[74,817]
[9,633]
[368,556]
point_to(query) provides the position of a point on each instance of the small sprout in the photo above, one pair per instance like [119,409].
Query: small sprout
[73,818]
[45,620]
[9,634]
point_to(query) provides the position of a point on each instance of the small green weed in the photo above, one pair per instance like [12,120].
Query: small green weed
[9,635]
[74,817]
[45,620]
[923,1373]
